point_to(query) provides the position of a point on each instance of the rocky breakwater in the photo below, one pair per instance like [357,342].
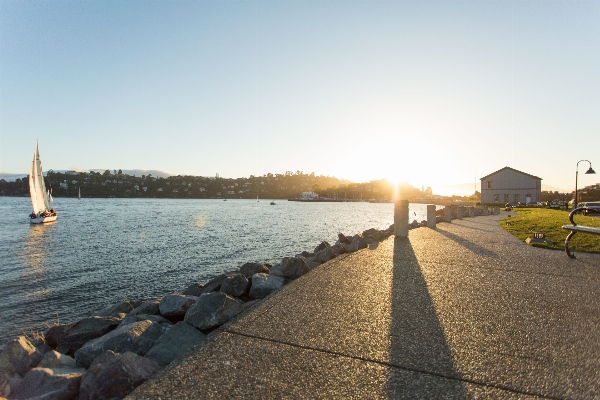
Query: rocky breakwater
[107,355]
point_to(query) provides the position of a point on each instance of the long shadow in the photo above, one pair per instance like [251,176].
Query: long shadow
[418,346]
[475,248]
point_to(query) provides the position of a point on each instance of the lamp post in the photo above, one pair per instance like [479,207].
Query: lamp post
[589,171]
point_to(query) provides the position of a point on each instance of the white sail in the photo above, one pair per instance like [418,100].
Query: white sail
[37,187]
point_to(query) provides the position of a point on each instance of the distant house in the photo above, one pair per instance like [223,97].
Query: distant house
[508,185]
[309,196]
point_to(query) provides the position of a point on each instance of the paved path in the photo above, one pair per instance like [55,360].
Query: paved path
[464,310]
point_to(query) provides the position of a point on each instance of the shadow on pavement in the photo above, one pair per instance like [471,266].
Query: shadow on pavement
[475,248]
[417,340]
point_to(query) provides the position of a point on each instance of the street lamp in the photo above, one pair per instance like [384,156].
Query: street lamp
[589,171]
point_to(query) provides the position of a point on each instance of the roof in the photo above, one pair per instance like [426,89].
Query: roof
[512,169]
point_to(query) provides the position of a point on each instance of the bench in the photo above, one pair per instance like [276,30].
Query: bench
[574,228]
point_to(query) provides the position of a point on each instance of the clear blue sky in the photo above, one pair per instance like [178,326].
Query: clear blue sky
[428,92]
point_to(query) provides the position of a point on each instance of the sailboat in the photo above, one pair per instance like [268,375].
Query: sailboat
[50,199]
[79,194]
[257,198]
[37,189]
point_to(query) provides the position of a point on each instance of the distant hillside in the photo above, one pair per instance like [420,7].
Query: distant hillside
[139,172]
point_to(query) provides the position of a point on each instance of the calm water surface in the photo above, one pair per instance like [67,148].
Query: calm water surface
[101,251]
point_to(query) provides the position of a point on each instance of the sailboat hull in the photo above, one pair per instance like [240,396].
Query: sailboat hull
[42,220]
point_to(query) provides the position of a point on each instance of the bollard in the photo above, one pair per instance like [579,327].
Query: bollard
[496,210]
[448,214]
[401,218]
[459,212]
[431,218]
[471,212]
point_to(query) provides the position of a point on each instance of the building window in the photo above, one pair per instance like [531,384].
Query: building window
[496,198]
[489,184]
[516,198]
[506,198]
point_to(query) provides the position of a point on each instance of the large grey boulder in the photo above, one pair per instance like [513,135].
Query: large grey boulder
[113,376]
[251,268]
[145,317]
[54,359]
[174,343]
[263,285]
[321,246]
[147,307]
[214,284]
[56,333]
[195,289]
[122,307]
[290,268]
[324,255]
[343,239]
[338,249]
[49,384]
[174,306]
[350,248]
[235,285]
[212,310]
[85,330]
[138,337]
[19,356]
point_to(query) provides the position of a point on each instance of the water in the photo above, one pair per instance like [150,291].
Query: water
[101,251]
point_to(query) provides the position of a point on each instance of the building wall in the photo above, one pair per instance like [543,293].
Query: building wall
[514,184]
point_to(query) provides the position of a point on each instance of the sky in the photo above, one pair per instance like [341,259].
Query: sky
[433,93]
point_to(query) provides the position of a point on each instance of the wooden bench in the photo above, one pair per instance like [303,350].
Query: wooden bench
[574,228]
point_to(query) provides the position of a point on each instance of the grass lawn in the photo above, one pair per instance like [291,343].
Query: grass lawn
[525,221]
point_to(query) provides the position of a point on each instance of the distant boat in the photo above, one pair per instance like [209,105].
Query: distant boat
[273,203]
[50,199]
[257,198]
[224,199]
[79,194]
[37,189]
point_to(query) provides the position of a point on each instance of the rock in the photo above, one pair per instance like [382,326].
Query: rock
[290,268]
[49,383]
[55,334]
[138,337]
[321,247]
[343,239]
[350,248]
[123,307]
[324,255]
[338,249]
[268,265]
[113,376]
[19,356]
[305,254]
[361,243]
[8,382]
[312,265]
[372,234]
[174,306]
[147,308]
[251,268]
[235,285]
[263,285]
[195,289]
[214,284]
[373,245]
[145,317]
[212,310]
[85,330]
[53,359]
[174,343]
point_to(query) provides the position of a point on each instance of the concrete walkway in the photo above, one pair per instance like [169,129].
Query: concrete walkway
[464,310]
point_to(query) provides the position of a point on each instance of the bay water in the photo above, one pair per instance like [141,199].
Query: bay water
[101,251]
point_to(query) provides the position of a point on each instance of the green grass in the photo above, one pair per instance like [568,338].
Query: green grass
[525,221]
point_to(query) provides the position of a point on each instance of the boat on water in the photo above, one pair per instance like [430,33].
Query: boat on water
[79,194]
[37,189]
[273,203]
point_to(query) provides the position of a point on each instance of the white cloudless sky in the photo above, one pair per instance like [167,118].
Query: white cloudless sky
[430,92]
